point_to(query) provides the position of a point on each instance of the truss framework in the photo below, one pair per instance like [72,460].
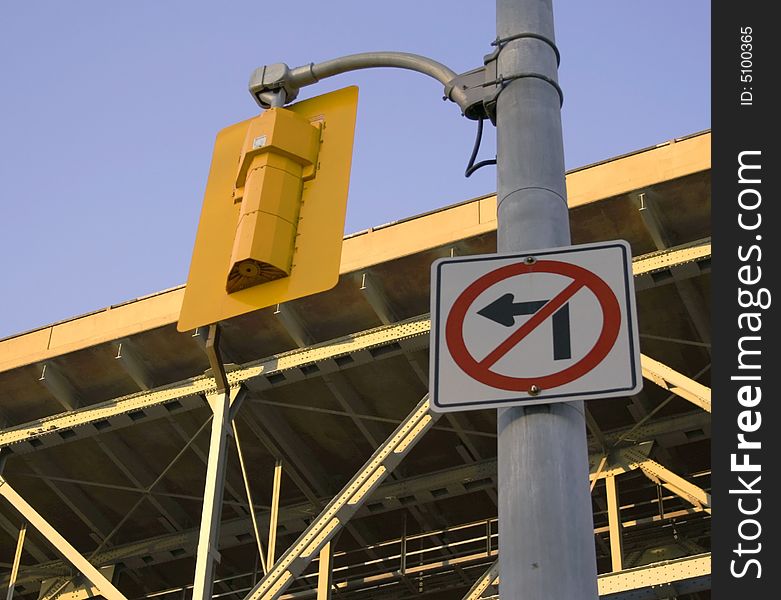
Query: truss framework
[319,360]
[53,536]
[629,458]
[448,483]
[669,578]
[311,361]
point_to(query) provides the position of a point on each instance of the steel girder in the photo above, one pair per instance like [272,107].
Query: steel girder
[345,504]
[448,483]
[684,576]
[281,369]
[333,517]
[677,383]
[62,546]
[169,398]
[662,475]
[630,458]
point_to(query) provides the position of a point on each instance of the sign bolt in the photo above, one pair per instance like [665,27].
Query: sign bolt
[530,260]
[534,389]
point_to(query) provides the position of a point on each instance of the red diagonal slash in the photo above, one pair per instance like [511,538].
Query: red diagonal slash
[546,311]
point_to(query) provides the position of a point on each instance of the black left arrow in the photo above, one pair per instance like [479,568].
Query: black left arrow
[504,309]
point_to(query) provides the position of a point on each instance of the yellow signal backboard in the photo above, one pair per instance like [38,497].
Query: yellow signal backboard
[318,243]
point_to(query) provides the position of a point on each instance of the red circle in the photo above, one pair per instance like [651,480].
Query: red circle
[611,322]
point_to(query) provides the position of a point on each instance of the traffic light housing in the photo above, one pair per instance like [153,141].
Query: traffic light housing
[278,155]
[272,220]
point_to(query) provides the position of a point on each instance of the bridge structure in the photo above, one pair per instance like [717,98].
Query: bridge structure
[339,480]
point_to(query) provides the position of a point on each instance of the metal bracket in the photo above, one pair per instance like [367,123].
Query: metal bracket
[278,84]
[474,91]
[212,349]
[270,85]
[472,86]
[501,81]
[495,82]
[481,87]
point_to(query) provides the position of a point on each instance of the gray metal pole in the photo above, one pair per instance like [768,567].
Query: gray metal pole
[546,539]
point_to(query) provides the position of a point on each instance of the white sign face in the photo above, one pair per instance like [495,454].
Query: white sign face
[542,326]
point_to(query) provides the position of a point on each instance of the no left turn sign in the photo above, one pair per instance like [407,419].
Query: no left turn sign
[544,326]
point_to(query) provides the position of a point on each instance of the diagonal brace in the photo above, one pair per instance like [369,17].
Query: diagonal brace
[485,581]
[675,483]
[676,382]
[345,504]
[94,576]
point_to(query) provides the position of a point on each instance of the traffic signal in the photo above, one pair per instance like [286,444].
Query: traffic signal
[279,154]
[272,221]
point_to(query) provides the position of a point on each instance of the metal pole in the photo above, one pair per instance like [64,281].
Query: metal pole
[17,560]
[545,521]
[274,517]
[614,524]
[208,554]
[248,491]
[325,572]
[403,554]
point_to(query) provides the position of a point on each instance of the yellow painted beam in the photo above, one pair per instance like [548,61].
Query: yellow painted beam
[639,170]
[590,184]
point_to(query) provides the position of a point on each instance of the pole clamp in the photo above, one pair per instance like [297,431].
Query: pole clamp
[501,82]
[498,81]
[481,87]
[502,42]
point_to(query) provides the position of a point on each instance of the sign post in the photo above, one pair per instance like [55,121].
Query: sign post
[546,536]
[545,521]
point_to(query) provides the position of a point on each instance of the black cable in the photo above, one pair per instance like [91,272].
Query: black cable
[471,167]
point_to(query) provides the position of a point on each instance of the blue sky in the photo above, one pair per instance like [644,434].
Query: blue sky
[108,113]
